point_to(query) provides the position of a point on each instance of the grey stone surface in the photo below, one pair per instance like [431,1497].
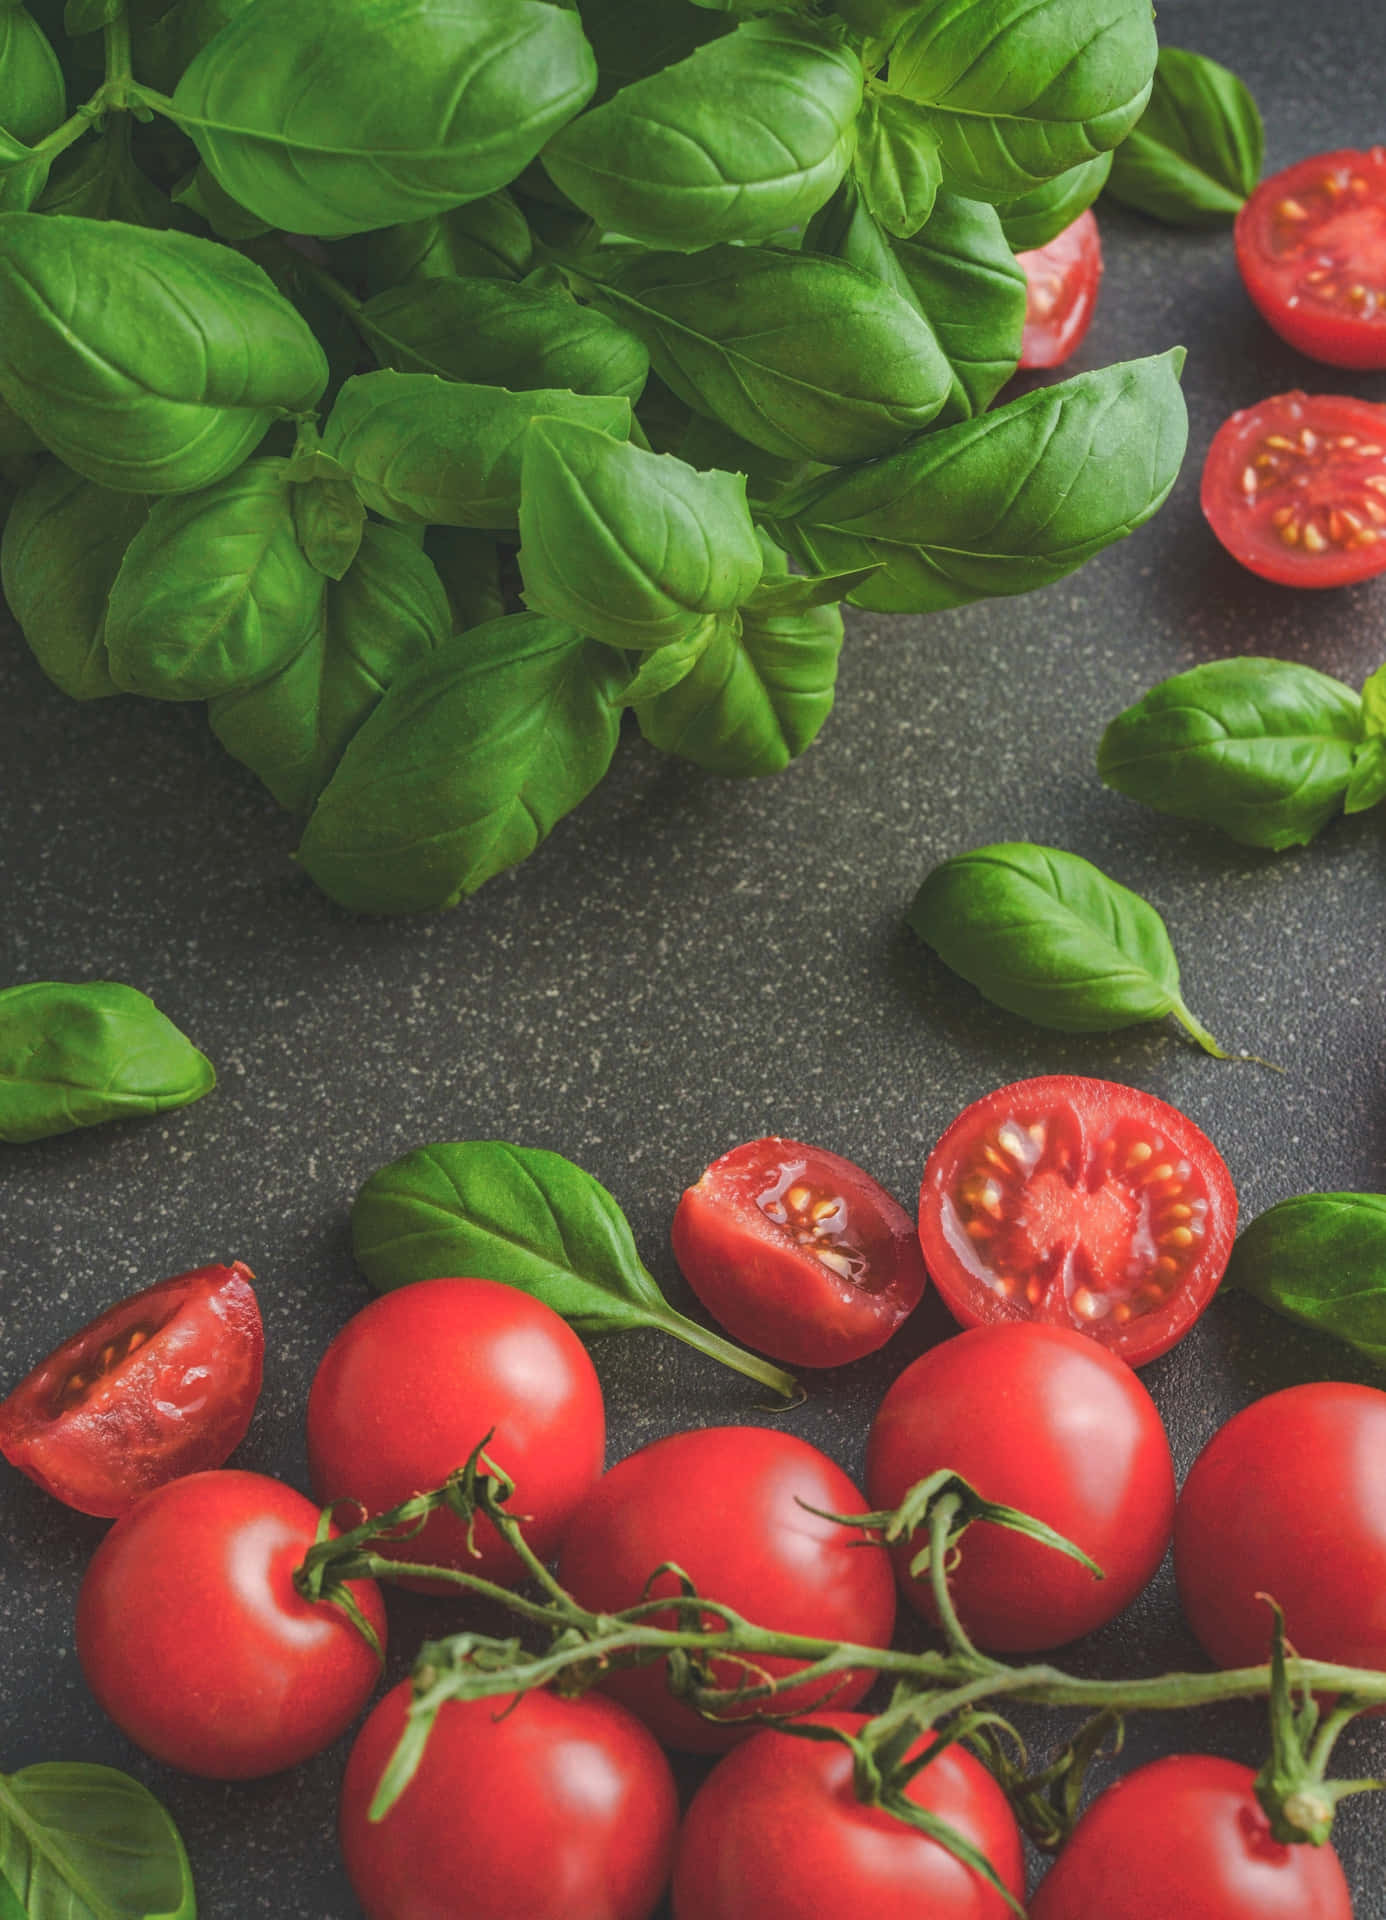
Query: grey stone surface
[688,963]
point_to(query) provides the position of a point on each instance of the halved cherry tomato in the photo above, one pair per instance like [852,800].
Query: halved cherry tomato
[1082,1204]
[798,1252]
[1295,488]
[1062,279]
[159,1385]
[1311,246]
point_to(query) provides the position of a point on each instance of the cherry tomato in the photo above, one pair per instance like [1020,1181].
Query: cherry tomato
[1288,1499]
[724,1504]
[1295,488]
[1045,1420]
[798,1253]
[161,1384]
[1311,246]
[418,1378]
[776,1829]
[1082,1204]
[548,1810]
[1185,1836]
[1061,292]
[194,1639]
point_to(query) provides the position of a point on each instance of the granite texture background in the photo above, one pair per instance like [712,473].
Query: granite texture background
[690,962]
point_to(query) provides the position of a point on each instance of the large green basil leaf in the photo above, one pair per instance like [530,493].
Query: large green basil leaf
[633,42]
[33,99]
[897,163]
[971,289]
[666,163]
[1320,1259]
[1004,503]
[62,548]
[1017,91]
[98,180]
[150,362]
[465,766]
[497,334]
[1196,152]
[89,1843]
[488,239]
[385,616]
[469,567]
[634,547]
[421,449]
[331,120]
[214,591]
[1263,749]
[1047,935]
[1035,218]
[74,1055]
[806,357]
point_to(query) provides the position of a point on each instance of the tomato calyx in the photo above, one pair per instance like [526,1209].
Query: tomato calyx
[1294,1792]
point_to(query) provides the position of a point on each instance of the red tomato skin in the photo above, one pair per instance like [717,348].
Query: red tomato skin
[1062,279]
[418,1378]
[776,1830]
[771,1293]
[559,1810]
[1186,1837]
[1277,282]
[179,1403]
[193,1639]
[723,1504]
[1288,1499]
[1045,1420]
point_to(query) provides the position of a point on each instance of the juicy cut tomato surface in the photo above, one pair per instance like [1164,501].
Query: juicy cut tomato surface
[1061,282]
[1311,248]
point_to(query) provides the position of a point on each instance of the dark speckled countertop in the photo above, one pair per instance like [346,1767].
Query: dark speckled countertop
[689,962]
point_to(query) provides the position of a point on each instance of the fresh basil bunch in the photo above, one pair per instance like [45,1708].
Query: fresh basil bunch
[348,329]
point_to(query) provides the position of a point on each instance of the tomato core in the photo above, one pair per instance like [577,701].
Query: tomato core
[818,1219]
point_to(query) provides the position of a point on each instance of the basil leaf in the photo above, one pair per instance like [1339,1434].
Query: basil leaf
[287,108]
[150,362]
[1320,1259]
[88,1843]
[33,98]
[663,667]
[665,163]
[529,1218]
[1374,702]
[421,449]
[62,548]
[705,444]
[468,565]
[329,521]
[74,1055]
[98,180]
[1367,784]
[488,239]
[22,174]
[634,547]
[1261,748]
[970,286]
[1035,218]
[897,162]
[1196,152]
[1047,935]
[465,766]
[203,194]
[164,38]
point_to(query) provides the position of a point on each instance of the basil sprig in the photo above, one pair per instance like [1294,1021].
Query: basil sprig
[88,1843]
[1320,1259]
[1196,152]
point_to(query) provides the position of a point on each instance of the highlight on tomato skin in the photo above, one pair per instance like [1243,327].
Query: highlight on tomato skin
[1061,283]
[1311,250]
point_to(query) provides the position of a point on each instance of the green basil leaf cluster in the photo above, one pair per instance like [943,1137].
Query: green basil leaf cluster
[89,1843]
[1320,1259]
[1195,153]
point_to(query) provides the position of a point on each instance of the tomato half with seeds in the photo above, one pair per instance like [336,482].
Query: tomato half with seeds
[162,1384]
[1311,247]
[798,1253]
[1081,1204]
[1061,282]
[1295,488]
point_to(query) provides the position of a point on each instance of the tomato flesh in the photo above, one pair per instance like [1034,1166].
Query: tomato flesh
[1082,1204]
[161,1384]
[1311,248]
[1061,282]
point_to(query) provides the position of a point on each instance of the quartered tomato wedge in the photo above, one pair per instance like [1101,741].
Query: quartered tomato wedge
[1311,246]
[1078,1203]
[1061,282]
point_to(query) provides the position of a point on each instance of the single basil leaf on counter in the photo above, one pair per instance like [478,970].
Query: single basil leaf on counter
[89,1843]
[33,98]
[971,289]
[1049,936]
[897,164]
[1035,218]
[486,239]
[1262,748]
[72,1055]
[532,1219]
[1320,1259]
[469,567]
[1196,152]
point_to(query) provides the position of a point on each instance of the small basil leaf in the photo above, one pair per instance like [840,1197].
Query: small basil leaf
[1261,748]
[33,99]
[897,163]
[1196,152]
[1035,218]
[971,288]
[1367,786]
[1047,935]
[1374,702]
[1320,1259]
[791,593]
[663,667]
[88,1843]
[329,521]
[469,567]
[74,1055]
[487,239]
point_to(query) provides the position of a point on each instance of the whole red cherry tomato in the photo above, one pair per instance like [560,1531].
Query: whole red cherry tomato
[1081,1204]
[161,1384]
[548,1810]
[776,1830]
[1185,1839]
[416,1380]
[1309,249]
[798,1252]
[1288,1499]
[1045,1420]
[730,1506]
[1061,279]
[194,1639]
